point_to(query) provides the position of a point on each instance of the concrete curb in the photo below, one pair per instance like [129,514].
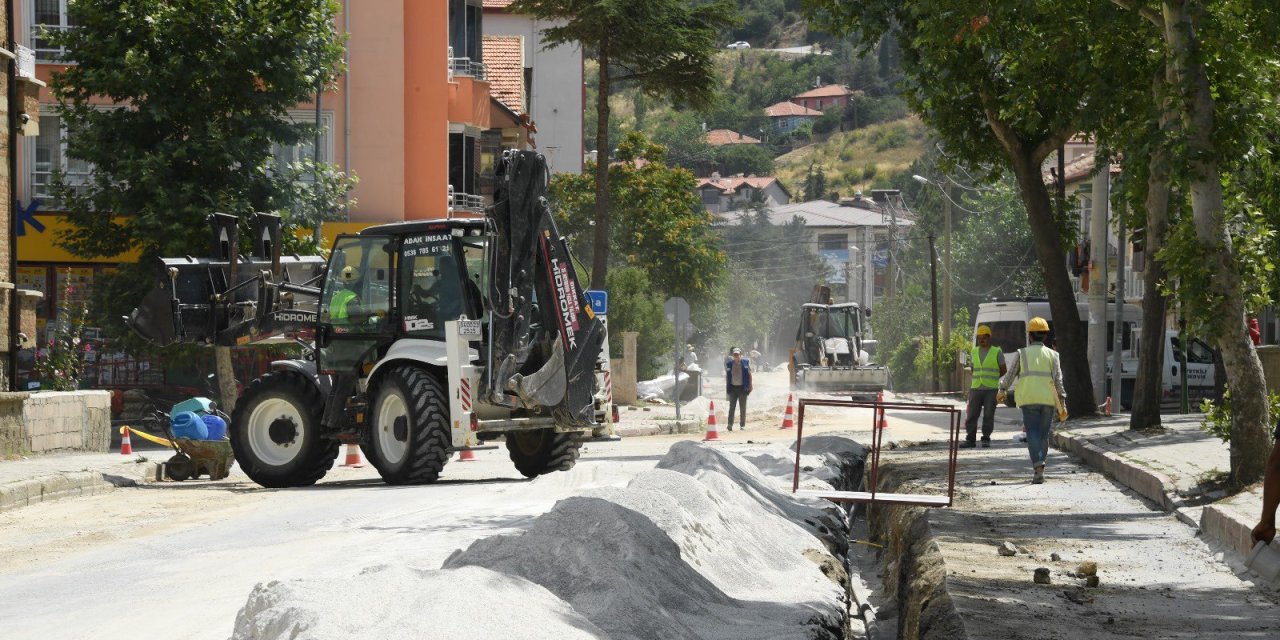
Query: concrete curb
[15,495]
[1227,528]
[1218,523]
[660,427]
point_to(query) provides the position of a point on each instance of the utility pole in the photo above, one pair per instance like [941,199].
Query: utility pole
[933,301]
[1098,277]
[946,263]
[1117,341]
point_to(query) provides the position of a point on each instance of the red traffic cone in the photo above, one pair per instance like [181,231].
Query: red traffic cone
[788,418]
[1107,407]
[712,435]
[466,455]
[353,457]
[126,447]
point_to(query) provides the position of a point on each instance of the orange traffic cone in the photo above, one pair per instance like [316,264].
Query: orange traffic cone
[712,435]
[126,447]
[788,419]
[883,423]
[353,457]
[466,455]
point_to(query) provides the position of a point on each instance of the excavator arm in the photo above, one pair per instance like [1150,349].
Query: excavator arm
[545,339]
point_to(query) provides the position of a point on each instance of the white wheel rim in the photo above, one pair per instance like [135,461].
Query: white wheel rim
[390,407]
[264,447]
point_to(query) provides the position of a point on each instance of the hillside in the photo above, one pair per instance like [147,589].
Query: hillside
[856,160]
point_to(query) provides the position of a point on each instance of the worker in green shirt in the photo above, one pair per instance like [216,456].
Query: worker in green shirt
[988,367]
[345,299]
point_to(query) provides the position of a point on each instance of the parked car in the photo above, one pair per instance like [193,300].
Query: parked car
[739,45]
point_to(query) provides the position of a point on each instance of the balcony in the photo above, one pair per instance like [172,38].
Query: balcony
[47,53]
[465,202]
[465,67]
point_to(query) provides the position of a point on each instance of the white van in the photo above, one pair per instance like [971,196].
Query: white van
[1008,318]
[1199,368]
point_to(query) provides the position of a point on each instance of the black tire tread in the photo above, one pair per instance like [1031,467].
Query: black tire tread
[305,395]
[431,443]
[559,453]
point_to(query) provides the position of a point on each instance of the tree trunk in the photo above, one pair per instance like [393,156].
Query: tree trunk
[600,248]
[226,379]
[1070,334]
[1250,443]
[1148,389]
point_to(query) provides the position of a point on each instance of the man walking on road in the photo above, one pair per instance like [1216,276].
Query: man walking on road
[1266,529]
[988,366]
[1039,375]
[737,385]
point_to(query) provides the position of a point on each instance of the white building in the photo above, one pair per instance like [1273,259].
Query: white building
[553,88]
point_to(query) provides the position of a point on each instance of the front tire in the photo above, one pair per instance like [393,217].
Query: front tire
[275,432]
[408,441]
[543,451]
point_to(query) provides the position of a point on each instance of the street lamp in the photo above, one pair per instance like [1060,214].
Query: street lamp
[946,255]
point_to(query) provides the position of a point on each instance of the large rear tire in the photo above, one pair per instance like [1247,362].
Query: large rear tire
[408,439]
[275,432]
[543,451]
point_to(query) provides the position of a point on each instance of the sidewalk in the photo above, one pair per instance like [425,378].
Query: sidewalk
[49,477]
[1179,469]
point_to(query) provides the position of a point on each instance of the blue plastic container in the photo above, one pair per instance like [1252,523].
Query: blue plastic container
[216,426]
[189,425]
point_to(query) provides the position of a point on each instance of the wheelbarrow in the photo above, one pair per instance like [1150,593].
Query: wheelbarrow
[192,458]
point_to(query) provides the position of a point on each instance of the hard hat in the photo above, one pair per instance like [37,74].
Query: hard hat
[348,274]
[984,330]
[1038,325]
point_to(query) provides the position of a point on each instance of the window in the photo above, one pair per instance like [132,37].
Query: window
[490,154]
[284,156]
[48,16]
[47,155]
[464,163]
[833,242]
[711,195]
[465,36]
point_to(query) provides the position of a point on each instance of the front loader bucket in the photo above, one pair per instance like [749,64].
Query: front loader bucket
[153,318]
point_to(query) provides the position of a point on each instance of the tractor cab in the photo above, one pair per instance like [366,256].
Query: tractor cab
[830,333]
[395,282]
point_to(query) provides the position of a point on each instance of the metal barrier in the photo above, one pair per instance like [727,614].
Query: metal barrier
[877,438]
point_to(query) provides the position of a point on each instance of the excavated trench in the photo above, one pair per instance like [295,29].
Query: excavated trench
[895,573]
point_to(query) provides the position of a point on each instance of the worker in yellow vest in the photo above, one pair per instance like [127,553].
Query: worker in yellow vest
[345,298]
[988,365]
[1038,372]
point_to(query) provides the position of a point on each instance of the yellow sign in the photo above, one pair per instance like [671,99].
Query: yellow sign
[37,241]
[38,234]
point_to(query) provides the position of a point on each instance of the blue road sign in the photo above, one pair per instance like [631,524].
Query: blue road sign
[599,301]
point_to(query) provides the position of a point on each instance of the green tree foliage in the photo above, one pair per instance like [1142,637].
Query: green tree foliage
[747,159]
[635,305]
[665,47]
[1005,85]
[773,268]
[815,183]
[685,141]
[204,88]
[662,227]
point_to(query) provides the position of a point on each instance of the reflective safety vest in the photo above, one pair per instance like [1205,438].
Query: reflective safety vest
[338,305]
[986,372]
[1035,376]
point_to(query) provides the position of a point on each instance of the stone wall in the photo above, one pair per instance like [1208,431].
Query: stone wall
[55,421]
